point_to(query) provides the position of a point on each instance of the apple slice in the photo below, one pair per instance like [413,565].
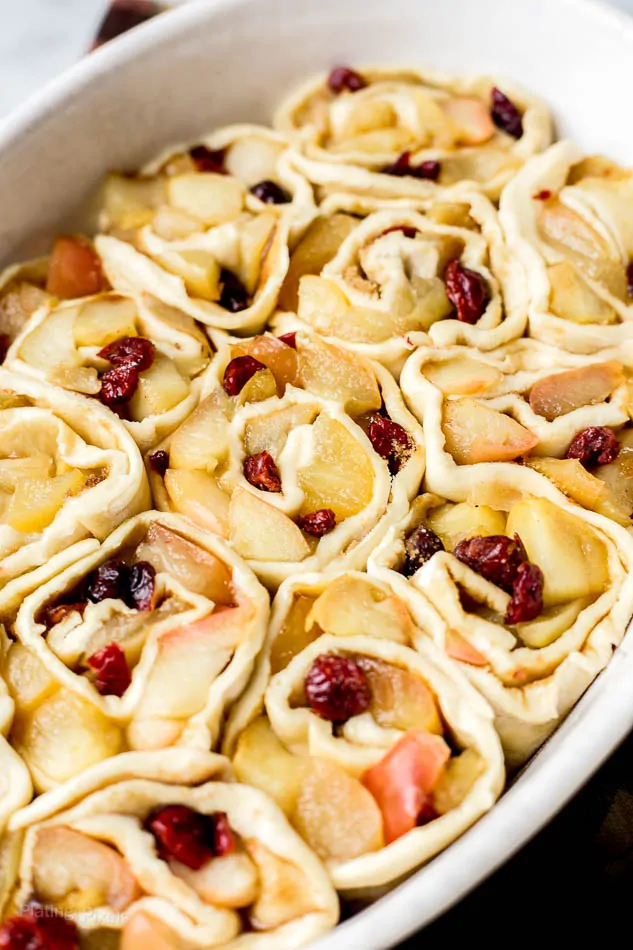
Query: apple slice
[37,501]
[454,213]
[404,779]
[457,780]
[198,570]
[261,386]
[212,198]
[160,388]
[459,648]
[197,496]
[551,624]
[130,203]
[618,477]
[144,932]
[269,433]
[475,433]
[319,296]
[255,236]
[400,700]
[561,393]
[279,358]
[14,470]
[198,268]
[51,345]
[586,489]
[353,604]
[253,159]
[74,269]
[472,118]
[316,248]
[170,224]
[263,533]
[262,761]
[29,682]
[333,373]
[453,523]
[105,319]
[228,881]
[285,894]
[295,634]
[202,440]
[573,299]
[462,377]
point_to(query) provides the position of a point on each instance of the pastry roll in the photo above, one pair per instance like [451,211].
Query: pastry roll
[380,755]
[161,852]
[389,131]
[143,644]
[16,788]
[498,422]
[301,454]
[206,228]
[534,594]
[566,219]
[69,472]
[410,273]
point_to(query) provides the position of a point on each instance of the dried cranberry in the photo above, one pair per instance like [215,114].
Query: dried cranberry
[336,688]
[112,671]
[208,160]
[58,612]
[5,343]
[238,373]
[505,114]
[189,837]
[318,523]
[159,461]
[271,193]
[118,385]
[427,811]
[134,351]
[140,593]
[39,929]
[390,440]
[596,445]
[419,548]
[233,296]
[290,339]
[109,581]
[402,167]
[342,77]
[629,279]
[467,291]
[408,232]
[260,470]
[526,602]
[544,195]
[497,558]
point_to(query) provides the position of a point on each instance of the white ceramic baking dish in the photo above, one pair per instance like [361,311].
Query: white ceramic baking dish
[218,61]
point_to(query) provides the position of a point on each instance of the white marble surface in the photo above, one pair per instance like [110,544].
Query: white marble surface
[39,38]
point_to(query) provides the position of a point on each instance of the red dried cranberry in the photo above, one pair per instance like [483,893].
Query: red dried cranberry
[159,461]
[505,114]
[596,445]
[290,339]
[233,296]
[526,602]
[39,928]
[189,837]
[238,373]
[408,232]
[497,558]
[260,470]
[427,812]
[629,279]
[208,160]
[271,193]
[336,688]
[342,77]
[109,580]
[402,167]
[467,291]
[112,671]
[544,195]
[5,343]
[419,547]
[118,385]
[390,440]
[134,351]
[318,523]
[57,613]
[140,593]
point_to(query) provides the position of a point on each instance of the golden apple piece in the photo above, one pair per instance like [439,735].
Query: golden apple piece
[366,115]
[198,570]
[64,736]
[321,298]
[75,873]
[129,202]
[295,634]
[400,700]
[551,624]
[29,682]
[228,881]
[561,393]
[255,237]
[456,780]
[479,164]
[212,198]
[453,213]
[80,379]
[475,433]
[202,440]
[197,496]
[285,893]
[170,224]
[280,359]
[262,761]
[14,470]
[472,118]
[262,385]
[260,532]
[462,377]
[333,373]
[253,159]
[269,433]
[198,268]
[105,319]
[420,302]
[339,475]
[584,488]
[376,142]
[336,815]
[160,388]
[18,302]
[352,605]
[52,343]
[570,553]
[316,248]
[36,501]
[573,299]
[618,478]
[453,523]
[143,932]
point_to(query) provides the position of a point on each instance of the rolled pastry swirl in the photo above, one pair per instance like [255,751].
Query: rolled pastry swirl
[531,673]
[394,280]
[69,472]
[206,228]
[498,422]
[410,132]
[303,465]
[151,851]
[342,762]
[566,219]
[16,788]
[143,644]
